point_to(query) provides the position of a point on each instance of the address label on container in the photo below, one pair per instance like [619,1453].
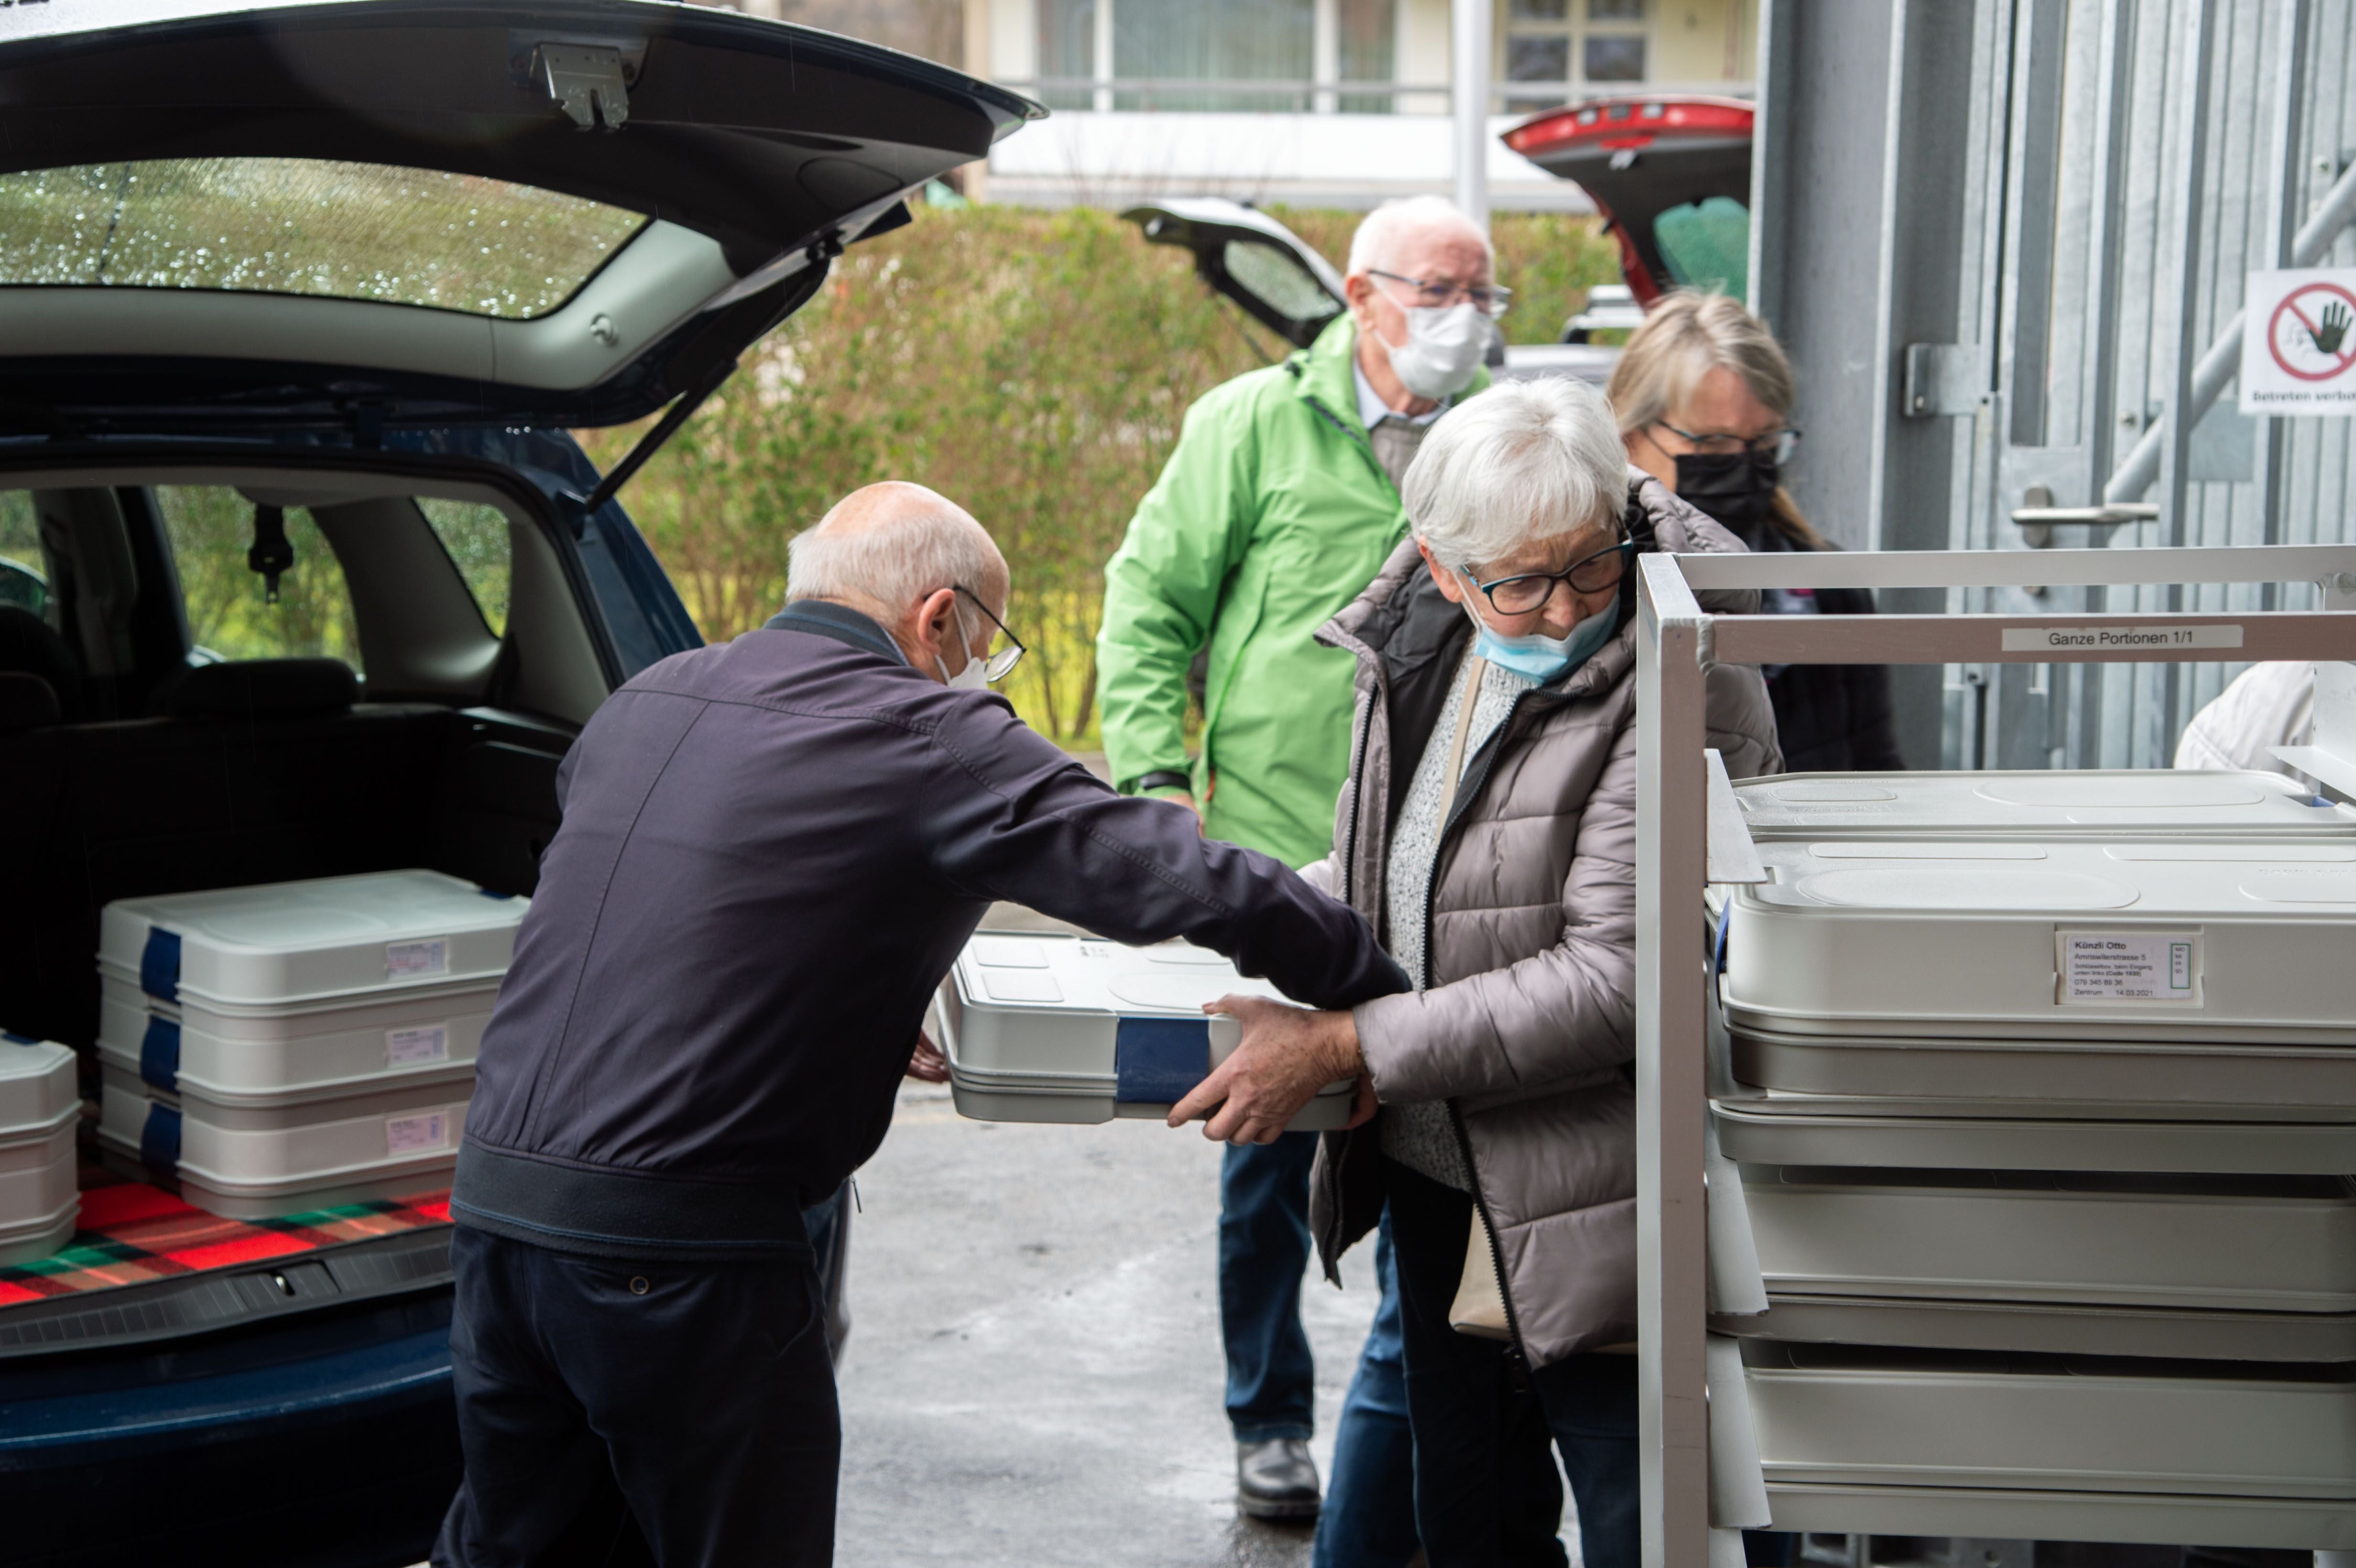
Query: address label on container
[407,960]
[407,1134]
[2063,639]
[423,1042]
[2129,965]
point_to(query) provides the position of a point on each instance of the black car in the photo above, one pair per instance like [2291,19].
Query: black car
[296,305]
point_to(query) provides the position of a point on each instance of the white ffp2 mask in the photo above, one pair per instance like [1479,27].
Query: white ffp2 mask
[974,677]
[1443,348]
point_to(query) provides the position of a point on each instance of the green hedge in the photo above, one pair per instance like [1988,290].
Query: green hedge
[1032,366]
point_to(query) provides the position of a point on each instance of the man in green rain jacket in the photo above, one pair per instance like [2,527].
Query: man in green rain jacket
[1278,506]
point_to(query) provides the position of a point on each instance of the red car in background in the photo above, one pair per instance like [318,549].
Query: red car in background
[1671,174]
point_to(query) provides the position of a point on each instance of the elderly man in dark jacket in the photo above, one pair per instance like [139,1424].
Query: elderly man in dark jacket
[772,851]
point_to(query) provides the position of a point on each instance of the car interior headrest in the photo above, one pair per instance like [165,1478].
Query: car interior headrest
[26,702]
[257,688]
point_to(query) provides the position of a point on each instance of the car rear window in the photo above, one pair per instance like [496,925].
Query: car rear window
[1707,245]
[305,226]
[24,570]
[210,528]
[475,538]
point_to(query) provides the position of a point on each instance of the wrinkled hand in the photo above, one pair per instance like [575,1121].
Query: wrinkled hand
[1287,1055]
[928,1065]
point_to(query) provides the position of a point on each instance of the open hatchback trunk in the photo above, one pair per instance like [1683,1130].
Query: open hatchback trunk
[1671,173]
[405,212]
[302,578]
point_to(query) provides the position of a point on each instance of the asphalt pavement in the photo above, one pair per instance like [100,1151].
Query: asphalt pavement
[1033,1375]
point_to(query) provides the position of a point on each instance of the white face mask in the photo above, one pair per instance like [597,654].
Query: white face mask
[973,676]
[1442,350]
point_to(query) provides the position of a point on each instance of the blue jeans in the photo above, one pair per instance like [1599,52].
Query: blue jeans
[1263,1251]
[1369,1516]
[1486,1492]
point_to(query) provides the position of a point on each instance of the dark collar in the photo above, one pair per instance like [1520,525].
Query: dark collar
[824,618]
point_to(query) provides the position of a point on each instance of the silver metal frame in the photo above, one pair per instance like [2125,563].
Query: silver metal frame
[1676,641]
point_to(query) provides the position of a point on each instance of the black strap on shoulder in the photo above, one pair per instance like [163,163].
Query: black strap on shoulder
[1638,521]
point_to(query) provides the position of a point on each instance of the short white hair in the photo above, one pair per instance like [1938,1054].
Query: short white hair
[1524,461]
[1376,245]
[893,560]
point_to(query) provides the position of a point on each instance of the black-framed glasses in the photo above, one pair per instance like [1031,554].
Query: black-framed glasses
[997,666]
[1778,445]
[1527,591]
[1432,293]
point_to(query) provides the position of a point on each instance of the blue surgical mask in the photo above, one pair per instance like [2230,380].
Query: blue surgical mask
[1540,657]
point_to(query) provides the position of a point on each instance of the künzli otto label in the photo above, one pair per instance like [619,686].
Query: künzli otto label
[412,1134]
[421,1042]
[2129,965]
[410,960]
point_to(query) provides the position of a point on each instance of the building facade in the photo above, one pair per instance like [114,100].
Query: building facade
[1324,102]
[1320,102]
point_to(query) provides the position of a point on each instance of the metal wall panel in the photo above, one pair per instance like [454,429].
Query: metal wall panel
[2053,204]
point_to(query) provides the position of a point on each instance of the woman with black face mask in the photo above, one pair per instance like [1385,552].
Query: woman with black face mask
[1703,395]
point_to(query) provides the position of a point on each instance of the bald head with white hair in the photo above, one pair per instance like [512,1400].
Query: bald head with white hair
[899,553]
[1419,237]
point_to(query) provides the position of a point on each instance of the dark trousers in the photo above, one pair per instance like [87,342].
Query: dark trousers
[1263,1251]
[1485,1487]
[615,1413]
[1369,1516]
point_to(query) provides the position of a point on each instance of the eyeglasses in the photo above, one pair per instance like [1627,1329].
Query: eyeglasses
[1778,445]
[997,666]
[1528,590]
[1434,294]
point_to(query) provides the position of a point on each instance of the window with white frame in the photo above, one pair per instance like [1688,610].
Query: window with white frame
[1232,55]
[1556,50]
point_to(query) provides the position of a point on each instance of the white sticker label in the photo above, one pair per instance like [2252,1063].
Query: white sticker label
[407,1134]
[2063,639]
[424,1042]
[404,960]
[2130,966]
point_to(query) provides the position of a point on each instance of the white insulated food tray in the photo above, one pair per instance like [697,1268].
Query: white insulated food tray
[228,1051]
[2176,1333]
[2233,1244]
[2095,804]
[41,1104]
[2156,1076]
[296,942]
[1816,1131]
[1047,1027]
[1859,1415]
[2228,941]
[250,1162]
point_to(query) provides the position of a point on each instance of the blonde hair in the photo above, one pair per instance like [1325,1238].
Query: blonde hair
[1686,337]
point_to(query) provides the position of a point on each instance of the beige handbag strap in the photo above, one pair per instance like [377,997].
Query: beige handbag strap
[1473,678]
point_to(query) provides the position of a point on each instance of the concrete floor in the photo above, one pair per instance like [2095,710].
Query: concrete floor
[1033,1375]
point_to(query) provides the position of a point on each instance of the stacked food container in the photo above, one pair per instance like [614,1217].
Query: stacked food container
[40,1103]
[283,1048]
[1046,1027]
[2042,1088]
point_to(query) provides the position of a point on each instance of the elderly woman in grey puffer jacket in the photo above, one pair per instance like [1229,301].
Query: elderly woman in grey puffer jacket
[1488,829]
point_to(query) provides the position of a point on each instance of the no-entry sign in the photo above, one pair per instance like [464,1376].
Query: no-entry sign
[2299,342]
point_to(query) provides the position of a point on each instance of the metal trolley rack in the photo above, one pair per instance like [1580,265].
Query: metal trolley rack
[1701,1477]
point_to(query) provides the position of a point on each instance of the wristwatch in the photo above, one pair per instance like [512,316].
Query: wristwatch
[1162,778]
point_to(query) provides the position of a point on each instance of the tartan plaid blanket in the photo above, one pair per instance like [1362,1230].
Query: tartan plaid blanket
[131,1233]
